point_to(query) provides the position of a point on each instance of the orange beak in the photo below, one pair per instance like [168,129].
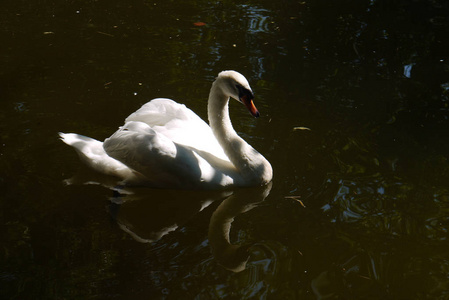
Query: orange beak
[250,105]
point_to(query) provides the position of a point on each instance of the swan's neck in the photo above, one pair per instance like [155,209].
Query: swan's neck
[251,165]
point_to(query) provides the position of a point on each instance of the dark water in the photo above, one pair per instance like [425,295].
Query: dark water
[370,79]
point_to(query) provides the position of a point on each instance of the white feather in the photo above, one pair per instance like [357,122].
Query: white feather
[164,144]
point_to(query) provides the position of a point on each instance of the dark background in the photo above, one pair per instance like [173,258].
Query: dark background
[370,79]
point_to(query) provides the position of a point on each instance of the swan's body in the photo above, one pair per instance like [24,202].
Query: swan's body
[166,145]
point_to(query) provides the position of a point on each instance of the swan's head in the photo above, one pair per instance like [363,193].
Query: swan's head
[236,86]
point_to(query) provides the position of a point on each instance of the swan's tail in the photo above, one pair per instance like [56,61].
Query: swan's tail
[91,152]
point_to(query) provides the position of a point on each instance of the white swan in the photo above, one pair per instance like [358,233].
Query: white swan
[166,145]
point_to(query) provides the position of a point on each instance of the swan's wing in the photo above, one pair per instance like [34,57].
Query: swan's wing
[179,124]
[160,111]
[92,153]
[163,162]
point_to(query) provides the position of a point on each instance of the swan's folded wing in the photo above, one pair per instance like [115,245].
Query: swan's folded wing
[92,154]
[179,124]
[165,163]
[160,111]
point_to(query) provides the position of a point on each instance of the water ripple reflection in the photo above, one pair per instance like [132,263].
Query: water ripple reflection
[258,18]
[357,198]
[391,207]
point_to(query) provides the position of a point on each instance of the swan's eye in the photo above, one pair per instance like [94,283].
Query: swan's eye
[244,92]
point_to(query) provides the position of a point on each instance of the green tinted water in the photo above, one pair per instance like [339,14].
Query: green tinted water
[369,79]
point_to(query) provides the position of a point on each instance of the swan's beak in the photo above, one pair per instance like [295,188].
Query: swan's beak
[250,105]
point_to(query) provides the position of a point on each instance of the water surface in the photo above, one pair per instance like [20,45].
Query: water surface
[354,109]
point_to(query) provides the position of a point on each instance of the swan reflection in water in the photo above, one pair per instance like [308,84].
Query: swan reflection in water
[164,218]
[150,215]
[233,257]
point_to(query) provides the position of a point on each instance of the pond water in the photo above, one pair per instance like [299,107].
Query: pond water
[354,102]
